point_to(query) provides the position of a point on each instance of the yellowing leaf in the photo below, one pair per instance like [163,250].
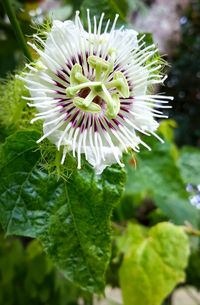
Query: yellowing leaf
[134,234]
[167,129]
[152,268]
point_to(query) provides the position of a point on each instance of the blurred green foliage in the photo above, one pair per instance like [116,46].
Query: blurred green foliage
[184,79]
[193,270]
[155,179]
[27,276]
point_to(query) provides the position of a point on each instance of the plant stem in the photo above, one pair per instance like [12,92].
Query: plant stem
[16,27]
[190,230]
[115,225]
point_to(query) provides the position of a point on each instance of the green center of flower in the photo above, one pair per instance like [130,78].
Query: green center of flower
[90,92]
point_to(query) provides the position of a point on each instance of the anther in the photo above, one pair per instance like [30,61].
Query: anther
[113,103]
[120,83]
[76,76]
[92,108]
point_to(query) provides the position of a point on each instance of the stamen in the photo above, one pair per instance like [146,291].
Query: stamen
[91,108]
[76,76]
[120,83]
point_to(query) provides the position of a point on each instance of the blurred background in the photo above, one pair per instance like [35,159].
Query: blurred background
[27,276]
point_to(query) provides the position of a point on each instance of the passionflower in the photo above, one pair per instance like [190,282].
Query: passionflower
[91,89]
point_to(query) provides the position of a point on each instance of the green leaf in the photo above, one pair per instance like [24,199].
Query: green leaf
[16,166]
[71,218]
[109,7]
[158,176]
[79,232]
[152,268]
[189,164]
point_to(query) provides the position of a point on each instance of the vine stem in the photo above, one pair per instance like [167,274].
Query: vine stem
[190,230]
[115,225]
[16,27]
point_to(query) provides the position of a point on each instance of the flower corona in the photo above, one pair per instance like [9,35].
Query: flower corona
[90,88]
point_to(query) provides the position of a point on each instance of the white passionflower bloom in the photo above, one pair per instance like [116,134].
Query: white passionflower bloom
[90,88]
